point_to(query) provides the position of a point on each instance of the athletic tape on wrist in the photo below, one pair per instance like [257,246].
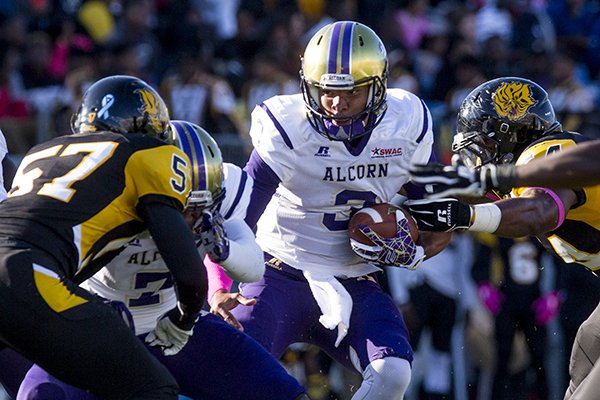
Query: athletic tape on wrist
[559,204]
[486,218]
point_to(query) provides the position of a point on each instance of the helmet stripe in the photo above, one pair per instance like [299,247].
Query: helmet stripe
[183,135]
[191,145]
[333,48]
[339,58]
[346,49]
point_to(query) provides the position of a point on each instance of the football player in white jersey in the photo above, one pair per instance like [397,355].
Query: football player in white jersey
[219,361]
[344,143]
[9,377]
[8,168]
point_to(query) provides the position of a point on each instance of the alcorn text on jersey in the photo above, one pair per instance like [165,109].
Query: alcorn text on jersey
[322,182]
[78,197]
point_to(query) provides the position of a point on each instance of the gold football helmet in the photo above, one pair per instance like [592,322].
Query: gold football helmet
[342,56]
[207,165]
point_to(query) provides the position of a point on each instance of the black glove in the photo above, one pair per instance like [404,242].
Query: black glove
[457,180]
[440,215]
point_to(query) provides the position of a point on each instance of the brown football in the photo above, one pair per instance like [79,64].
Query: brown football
[382,219]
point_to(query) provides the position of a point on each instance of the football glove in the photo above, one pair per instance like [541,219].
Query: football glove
[399,251]
[172,331]
[457,180]
[440,215]
[213,236]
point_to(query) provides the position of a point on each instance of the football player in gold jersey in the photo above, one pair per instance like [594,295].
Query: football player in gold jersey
[511,121]
[76,201]
[574,167]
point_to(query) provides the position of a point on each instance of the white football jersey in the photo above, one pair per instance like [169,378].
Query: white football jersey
[138,276]
[305,223]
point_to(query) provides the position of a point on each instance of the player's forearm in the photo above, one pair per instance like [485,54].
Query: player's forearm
[526,216]
[217,279]
[575,167]
[434,242]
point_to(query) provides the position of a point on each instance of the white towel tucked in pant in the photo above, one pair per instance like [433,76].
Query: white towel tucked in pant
[333,300]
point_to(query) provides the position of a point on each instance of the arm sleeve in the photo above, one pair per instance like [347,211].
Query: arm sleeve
[217,279]
[245,262]
[177,247]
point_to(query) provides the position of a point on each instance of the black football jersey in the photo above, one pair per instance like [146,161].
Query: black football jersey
[78,197]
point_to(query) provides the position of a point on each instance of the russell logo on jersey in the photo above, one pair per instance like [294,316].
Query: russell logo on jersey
[323,152]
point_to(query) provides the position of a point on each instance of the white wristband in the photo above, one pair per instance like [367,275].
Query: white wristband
[485,218]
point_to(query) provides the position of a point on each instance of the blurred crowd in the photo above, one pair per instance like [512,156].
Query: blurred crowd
[214,60]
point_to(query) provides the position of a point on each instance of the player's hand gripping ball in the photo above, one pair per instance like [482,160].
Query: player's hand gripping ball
[386,235]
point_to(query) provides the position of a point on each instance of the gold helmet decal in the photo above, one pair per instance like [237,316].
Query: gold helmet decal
[88,126]
[153,108]
[512,100]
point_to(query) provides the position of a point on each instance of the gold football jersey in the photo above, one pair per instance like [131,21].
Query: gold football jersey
[80,197]
[577,240]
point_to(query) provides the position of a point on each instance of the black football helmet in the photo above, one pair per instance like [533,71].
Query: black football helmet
[122,104]
[500,118]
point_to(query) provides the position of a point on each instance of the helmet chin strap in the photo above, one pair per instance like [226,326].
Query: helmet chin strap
[333,131]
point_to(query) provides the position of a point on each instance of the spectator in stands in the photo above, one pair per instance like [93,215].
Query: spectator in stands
[401,75]
[12,92]
[412,23]
[577,27]
[136,27]
[235,54]
[36,61]
[98,19]
[499,58]
[573,100]
[195,94]
[492,19]
[267,80]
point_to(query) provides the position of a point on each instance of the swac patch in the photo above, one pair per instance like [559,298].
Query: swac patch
[152,107]
[513,100]
[381,152]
